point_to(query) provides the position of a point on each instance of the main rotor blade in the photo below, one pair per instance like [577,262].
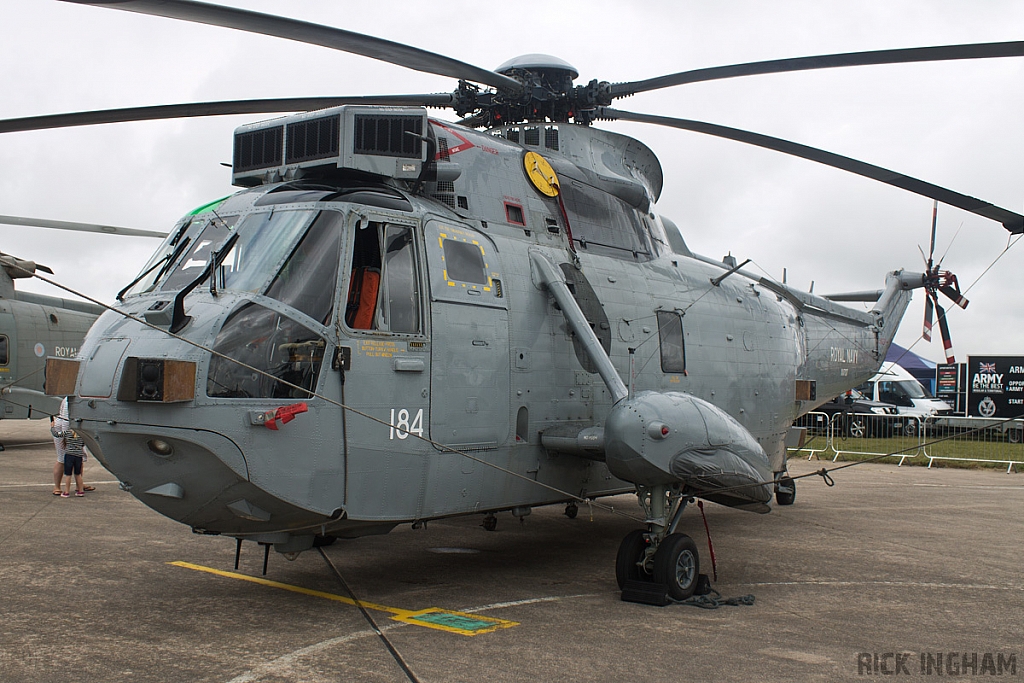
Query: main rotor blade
[174,111]
[314,34]
[935,223]
[81,227]
[1013,222]
[897,56]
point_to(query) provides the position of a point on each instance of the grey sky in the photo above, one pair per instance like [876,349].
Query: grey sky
[953,124]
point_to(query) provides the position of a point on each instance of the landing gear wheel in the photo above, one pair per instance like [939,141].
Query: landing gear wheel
[571,510]
[631,551]
[785,490]
[490,523]
[677,565]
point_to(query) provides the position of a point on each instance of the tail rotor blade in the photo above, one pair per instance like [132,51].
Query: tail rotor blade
[947,343]
[954,295]
[928,309]
[923,257]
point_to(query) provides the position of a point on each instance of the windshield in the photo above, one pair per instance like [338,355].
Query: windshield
[192,254]
[264,241]
[168,253]
[914,389]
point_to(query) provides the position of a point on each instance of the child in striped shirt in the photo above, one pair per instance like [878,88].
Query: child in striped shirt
[74,456]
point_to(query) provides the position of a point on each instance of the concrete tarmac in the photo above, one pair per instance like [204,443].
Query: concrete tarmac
[893,571]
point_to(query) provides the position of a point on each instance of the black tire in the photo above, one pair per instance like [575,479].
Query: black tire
[323,541]
[490,522]
[571,510]
[785,491]
[1014,436]
[630,551]
[677,565]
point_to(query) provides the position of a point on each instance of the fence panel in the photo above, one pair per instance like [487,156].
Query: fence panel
[975,439]
[860,434]
[819,435]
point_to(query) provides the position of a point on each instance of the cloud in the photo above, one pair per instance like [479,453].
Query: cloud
[952,124]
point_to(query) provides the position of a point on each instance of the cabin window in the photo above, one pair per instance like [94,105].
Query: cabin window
[670,333]
[384,291]
[306,280]
[464,262]
[268,341]
[514,213]
[4,353]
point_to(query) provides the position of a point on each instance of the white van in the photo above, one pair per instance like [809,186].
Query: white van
[895,385]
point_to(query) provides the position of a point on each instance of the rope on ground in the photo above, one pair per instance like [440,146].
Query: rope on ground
[714,600]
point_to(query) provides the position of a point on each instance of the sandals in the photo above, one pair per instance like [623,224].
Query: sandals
[56,492]
[88,488]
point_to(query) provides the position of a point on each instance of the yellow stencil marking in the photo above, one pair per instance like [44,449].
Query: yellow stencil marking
[462,623]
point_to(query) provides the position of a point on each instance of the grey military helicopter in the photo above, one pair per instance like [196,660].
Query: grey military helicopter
[36,326]
[399,318]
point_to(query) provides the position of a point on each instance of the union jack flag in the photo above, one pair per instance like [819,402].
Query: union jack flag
[986,367]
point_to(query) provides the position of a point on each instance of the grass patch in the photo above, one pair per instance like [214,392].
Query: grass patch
[960,446]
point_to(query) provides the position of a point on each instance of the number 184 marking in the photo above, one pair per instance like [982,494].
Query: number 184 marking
[402,428]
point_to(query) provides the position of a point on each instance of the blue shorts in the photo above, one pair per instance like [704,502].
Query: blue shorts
[72,465]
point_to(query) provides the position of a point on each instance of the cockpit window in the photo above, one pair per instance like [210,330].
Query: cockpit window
[264,240]
[307,279]
[384,291]
[195,247]
[268,341]
[179,241]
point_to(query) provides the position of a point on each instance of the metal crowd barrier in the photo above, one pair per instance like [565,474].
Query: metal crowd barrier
[963,439]
[976,439]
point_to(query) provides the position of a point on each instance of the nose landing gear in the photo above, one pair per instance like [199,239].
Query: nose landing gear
[659,555]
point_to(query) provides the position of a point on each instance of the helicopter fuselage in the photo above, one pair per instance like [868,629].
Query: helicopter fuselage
[416,304]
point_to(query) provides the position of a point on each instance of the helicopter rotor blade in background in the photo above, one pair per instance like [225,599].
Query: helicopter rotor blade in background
[313,34]
[1013,222]
[897,56]
[935,222]
[226,108]
[78,227]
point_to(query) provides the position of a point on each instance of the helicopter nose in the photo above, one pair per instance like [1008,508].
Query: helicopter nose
[197,477]
[193,476]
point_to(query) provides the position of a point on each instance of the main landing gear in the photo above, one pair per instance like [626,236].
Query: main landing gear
[785,489]
[659,554]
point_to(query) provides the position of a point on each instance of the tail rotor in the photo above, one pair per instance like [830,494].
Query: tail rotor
[944,282]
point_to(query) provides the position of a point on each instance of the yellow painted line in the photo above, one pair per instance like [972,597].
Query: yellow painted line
[463,623]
